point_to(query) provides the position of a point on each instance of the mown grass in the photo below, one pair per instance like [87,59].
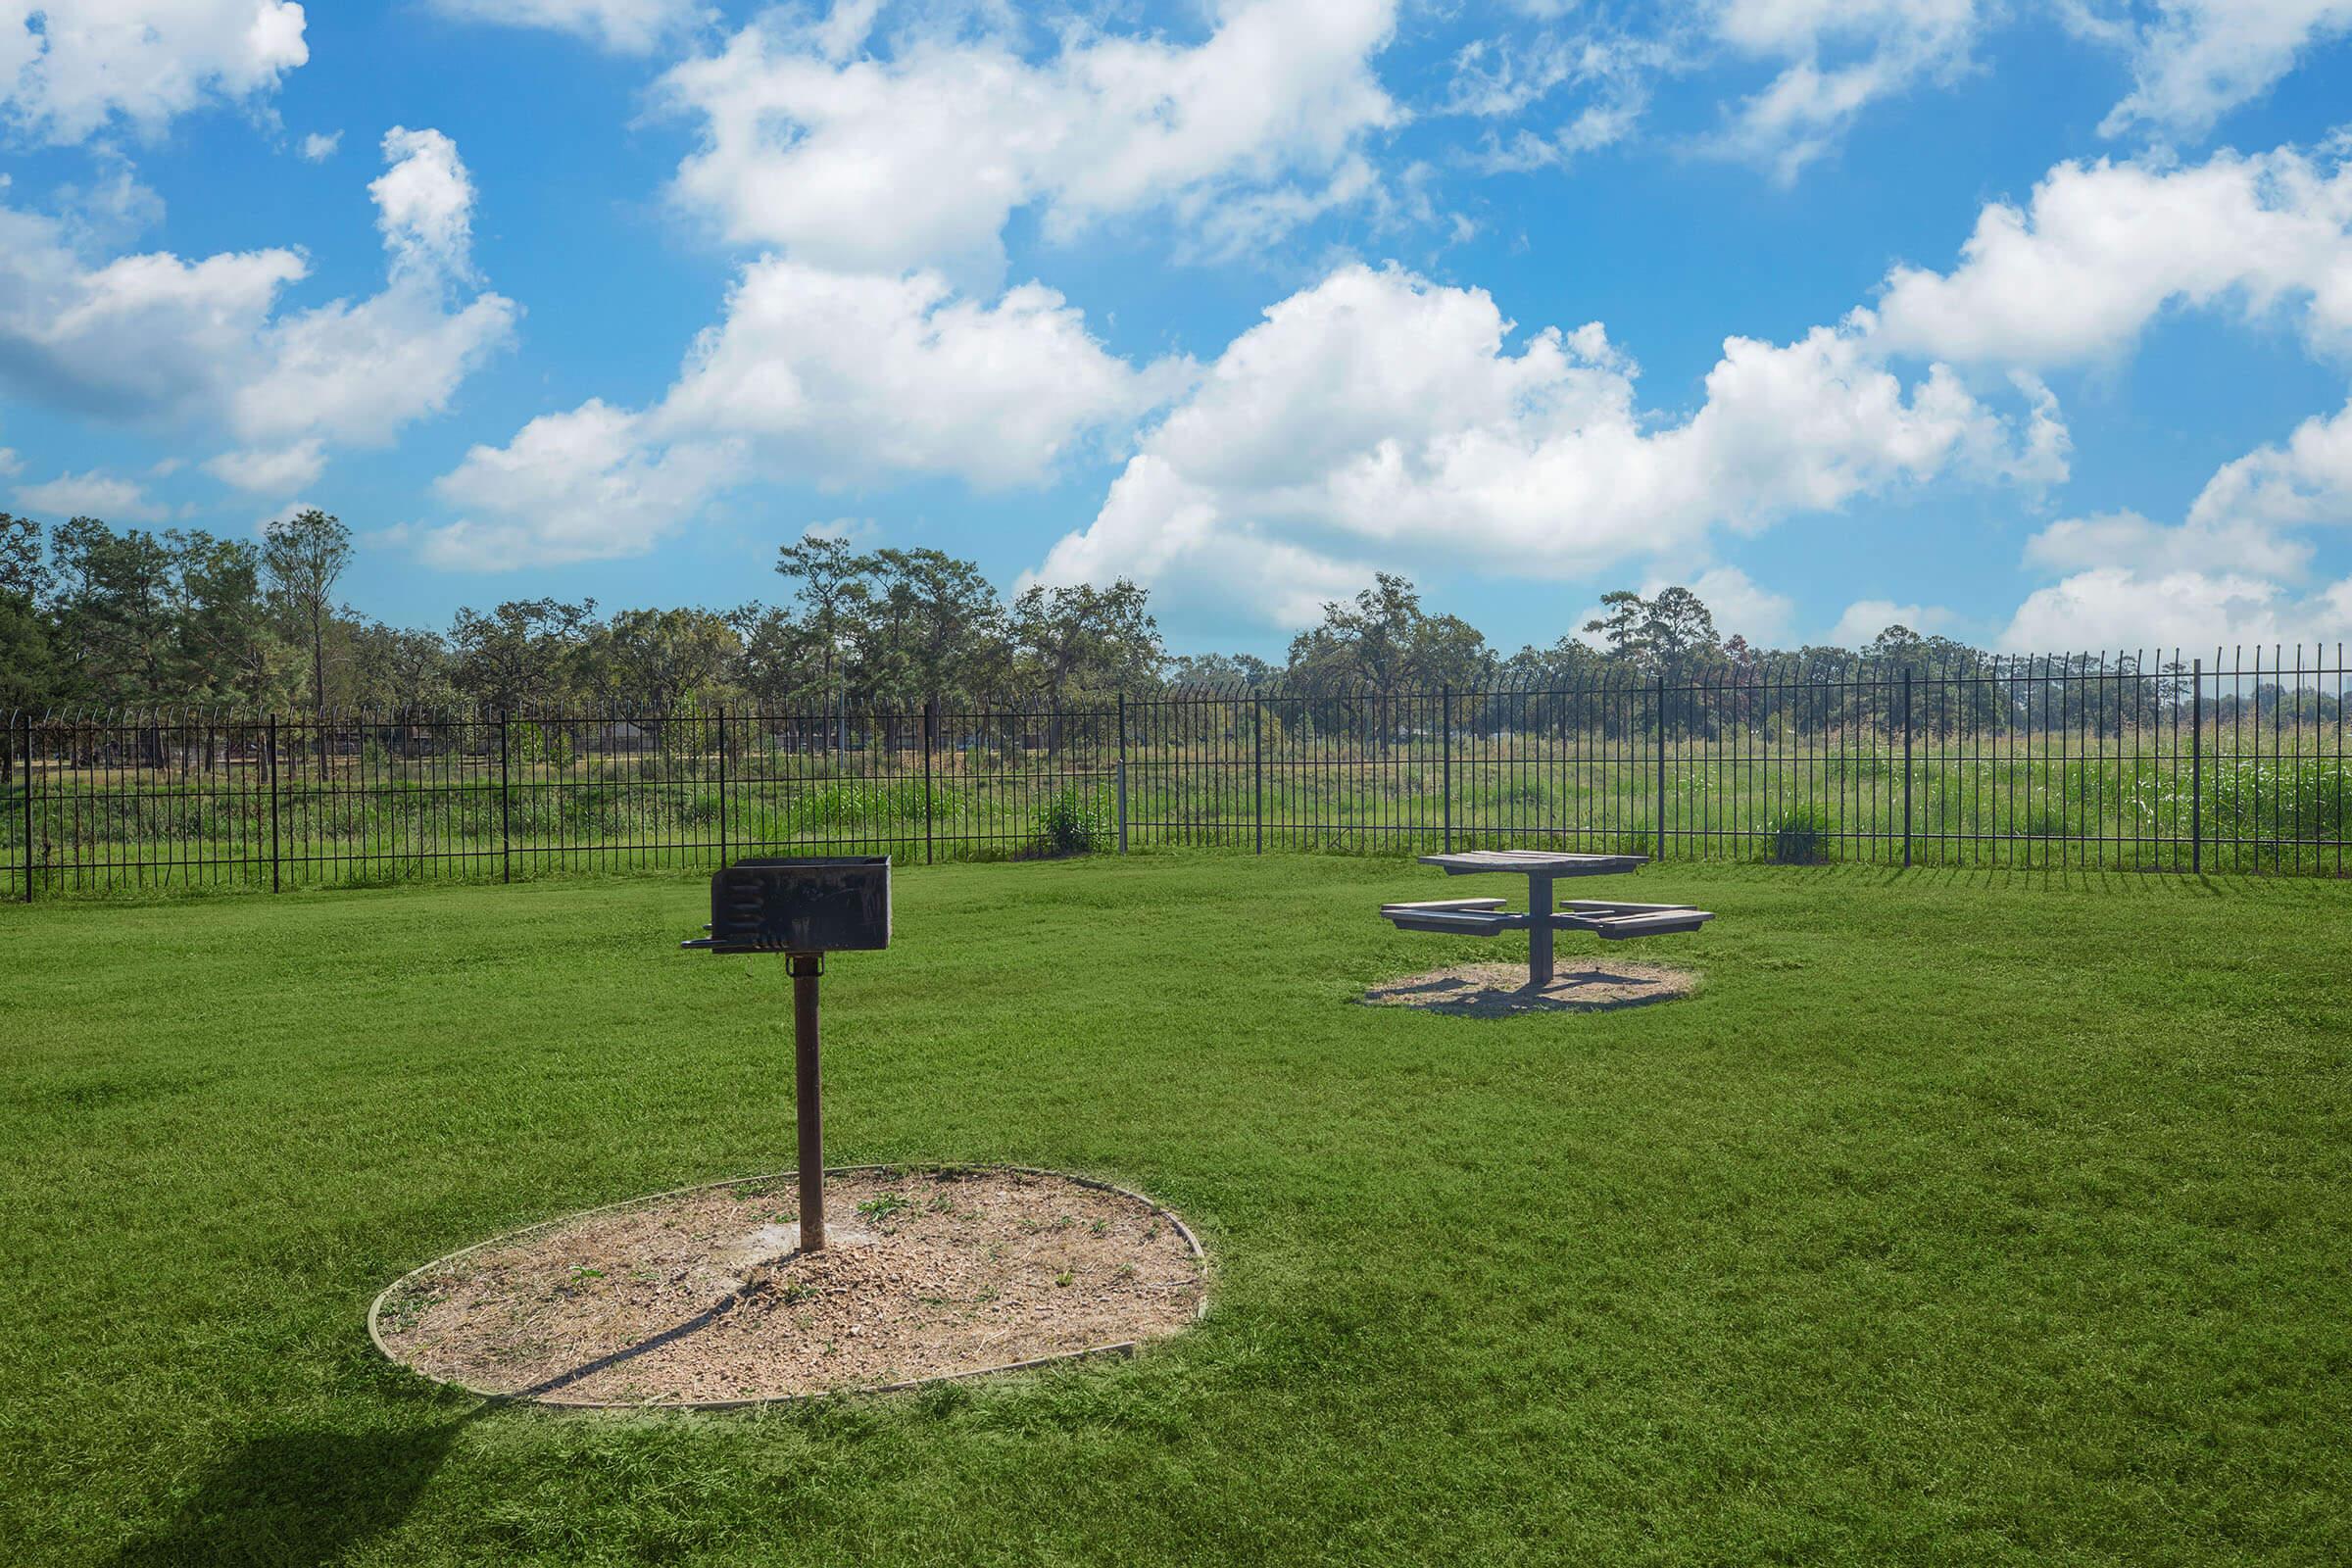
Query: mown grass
[1962,1218]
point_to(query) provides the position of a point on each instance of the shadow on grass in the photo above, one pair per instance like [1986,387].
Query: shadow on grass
[298,1498]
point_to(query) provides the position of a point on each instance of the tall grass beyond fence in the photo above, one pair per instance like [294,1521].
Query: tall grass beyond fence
[2172,766]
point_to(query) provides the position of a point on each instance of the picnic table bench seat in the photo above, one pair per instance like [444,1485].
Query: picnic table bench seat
[1487,917]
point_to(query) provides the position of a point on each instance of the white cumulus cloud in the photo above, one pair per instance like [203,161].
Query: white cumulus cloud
[425,202]
[357,371]
[920,159]
[2102,248]
[158,339]
[138,336]
[2193,61]
[1861,621]
[584,485]
[625,26]
[2126,538]
[815,376]
[2125,606]
[1378,414]
[68,69]
[274,472]
[2307,479]
[94,494]
[1835,57]
[2233,570]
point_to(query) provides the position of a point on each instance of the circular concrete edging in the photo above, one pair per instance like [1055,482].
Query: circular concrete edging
[384,1340]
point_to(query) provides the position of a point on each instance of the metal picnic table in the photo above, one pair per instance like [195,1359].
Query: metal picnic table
[1611,919]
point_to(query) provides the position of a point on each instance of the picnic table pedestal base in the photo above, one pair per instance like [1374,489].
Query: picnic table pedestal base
[1608,919]
[1539,931]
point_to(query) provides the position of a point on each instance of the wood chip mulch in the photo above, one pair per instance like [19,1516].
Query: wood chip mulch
[1501,990]
[702,1298]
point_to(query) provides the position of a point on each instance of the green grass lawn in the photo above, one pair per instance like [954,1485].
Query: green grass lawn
[1962,1218]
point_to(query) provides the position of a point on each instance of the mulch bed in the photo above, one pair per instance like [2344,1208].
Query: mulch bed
[1501,990]
[702,1298]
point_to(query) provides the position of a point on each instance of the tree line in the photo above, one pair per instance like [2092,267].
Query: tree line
[134,620]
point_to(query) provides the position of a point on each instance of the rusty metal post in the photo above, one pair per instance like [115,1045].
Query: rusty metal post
[1539,931]
[808,1112]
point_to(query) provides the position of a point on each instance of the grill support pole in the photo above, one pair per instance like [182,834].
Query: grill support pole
[807,1110]
[1539,932]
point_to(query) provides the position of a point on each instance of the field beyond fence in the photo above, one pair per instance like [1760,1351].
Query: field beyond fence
[2092,762]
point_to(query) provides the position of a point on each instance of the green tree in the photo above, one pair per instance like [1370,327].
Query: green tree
[1383,639]
[832,586]
[226,651]
[1220,669]
[115,594]
[395,670]
[304,556]
[933,627]
[657,657]
[1678,634]
[26,677]
[1620,624]
[1084,640]
[25,572]
[1075,642]
[522,654]
[782,664]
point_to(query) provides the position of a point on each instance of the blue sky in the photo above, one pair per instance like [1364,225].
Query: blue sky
[2025,323]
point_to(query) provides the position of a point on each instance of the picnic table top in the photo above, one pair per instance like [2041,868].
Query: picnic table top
[1533,862]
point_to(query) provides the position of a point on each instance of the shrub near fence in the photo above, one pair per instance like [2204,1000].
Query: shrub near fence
[2239,765]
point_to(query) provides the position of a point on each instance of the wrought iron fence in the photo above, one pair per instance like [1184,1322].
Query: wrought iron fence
[2237,763]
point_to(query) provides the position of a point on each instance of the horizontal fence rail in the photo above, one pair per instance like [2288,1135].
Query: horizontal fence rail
[2237,763]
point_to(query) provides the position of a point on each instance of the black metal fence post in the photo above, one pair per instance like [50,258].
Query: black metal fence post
[1661,833]
[1906,769]
[273,857]
[1257,767]
[2196,766]
[25,722]
[1445,776]
[1122,776]
[505,823]
[930,708]
[723,783]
